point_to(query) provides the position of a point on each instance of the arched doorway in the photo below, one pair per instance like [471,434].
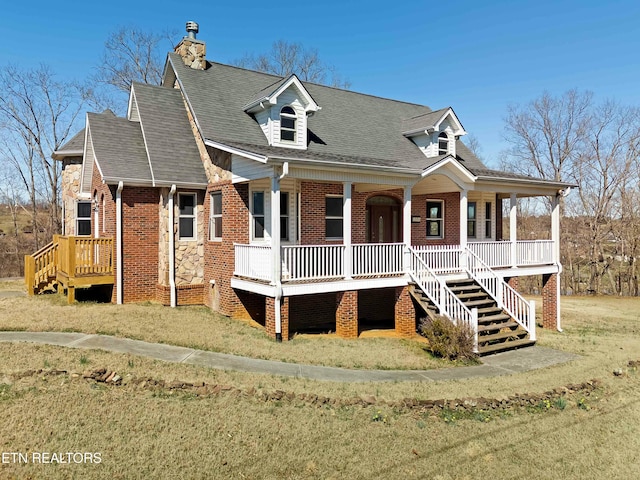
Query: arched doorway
[383,220]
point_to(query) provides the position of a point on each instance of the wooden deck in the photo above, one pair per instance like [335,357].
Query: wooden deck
[69,263]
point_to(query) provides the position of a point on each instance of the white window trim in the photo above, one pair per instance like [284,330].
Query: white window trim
[445,138]
[194,216]
[295,118]
[292,232]
[327,217]
[427,219]
[79,219]
[489,235]
[252,216]
[218,235]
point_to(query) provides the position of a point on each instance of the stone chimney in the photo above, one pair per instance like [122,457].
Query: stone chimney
[192,51]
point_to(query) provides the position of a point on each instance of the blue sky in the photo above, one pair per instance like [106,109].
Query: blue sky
[477,57]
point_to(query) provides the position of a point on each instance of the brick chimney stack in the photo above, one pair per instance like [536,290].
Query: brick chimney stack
[192,50]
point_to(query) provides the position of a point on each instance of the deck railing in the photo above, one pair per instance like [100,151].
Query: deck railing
[85,256]
[253,261]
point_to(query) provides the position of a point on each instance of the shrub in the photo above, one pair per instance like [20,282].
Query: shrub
[448,340]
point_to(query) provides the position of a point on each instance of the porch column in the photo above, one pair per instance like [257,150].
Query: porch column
[406,226]
[346,228]
[555,228]
[276,264]
[513,229]
[464,218]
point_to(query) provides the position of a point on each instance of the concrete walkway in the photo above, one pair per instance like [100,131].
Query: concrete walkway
[505,363]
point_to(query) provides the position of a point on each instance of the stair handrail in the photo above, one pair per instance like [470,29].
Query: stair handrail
[41,265]
[440,294]
[506,297]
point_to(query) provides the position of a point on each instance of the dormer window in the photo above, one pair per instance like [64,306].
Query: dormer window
[443,143]
[288,124]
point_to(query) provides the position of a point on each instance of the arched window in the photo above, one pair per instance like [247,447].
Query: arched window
[288,124]
[443,143]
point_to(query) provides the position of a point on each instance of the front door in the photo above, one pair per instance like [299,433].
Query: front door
[383,220]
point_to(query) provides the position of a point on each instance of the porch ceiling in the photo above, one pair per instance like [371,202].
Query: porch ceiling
[435,184]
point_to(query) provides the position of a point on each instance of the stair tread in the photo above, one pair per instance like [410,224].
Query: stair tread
[497,326]
[498,347]
[502,335]
[474,303]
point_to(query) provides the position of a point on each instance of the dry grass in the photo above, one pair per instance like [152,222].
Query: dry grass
[146,434]
[198,327]
[143,433]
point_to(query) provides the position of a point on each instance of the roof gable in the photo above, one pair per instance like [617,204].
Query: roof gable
[433,122]
[269,95]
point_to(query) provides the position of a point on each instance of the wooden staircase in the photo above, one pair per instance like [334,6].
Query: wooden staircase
[497,331]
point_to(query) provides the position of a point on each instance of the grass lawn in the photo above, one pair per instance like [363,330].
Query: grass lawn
[243,432]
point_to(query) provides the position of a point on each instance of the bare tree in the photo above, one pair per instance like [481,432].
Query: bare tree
[473,144]
[547,133]
[132,55]
[38,114]
[286,58]
[570,138]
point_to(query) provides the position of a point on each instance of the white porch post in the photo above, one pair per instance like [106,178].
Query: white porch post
[346,228]
[276,264]
[513,229]
[464,218]
[555,228]
[406,226]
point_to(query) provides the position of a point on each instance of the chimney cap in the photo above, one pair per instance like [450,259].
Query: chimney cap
[192,29]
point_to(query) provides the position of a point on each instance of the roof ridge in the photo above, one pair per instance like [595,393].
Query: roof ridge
[307,82]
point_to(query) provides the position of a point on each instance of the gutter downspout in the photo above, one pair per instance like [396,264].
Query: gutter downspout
[275,230]
[172,247]
[120,275]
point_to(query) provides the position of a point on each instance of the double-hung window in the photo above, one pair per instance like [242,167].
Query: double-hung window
[187,208]
[83,218]
[488,230]
[288,124]
[215,216]
[257,215]
[471,219]
[435,219]
[333,217]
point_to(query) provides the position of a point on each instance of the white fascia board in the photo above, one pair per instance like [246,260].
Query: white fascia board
[534,181]
[272,98]
[129,182]
[449,161]
[236,151]
[450,113]
[87,138]
[131,102]
[306,163]
[190,185]
[62,154]
[168,69]
[420,131]
[146,148]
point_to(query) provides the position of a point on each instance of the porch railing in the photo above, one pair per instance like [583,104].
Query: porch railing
[307,262]
[441,295]
[372,259]
[528,252]
[507,298]
[319,262]
[440,258]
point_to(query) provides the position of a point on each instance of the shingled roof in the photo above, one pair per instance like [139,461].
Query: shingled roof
[351,128]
